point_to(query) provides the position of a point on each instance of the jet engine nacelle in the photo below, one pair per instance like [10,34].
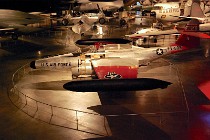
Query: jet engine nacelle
[102,20]
[79,65]
[83,70]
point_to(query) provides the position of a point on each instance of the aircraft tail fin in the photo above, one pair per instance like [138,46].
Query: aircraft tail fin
[196,10]
[188,41]
[189,36]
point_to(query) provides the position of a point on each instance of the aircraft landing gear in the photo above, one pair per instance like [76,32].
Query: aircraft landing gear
[102,21]
[65,22]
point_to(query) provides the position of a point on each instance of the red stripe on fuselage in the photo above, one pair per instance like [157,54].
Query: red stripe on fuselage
[123,71]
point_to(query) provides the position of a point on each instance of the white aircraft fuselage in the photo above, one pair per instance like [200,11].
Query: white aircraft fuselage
[165,10]
[123,62]
[81,65]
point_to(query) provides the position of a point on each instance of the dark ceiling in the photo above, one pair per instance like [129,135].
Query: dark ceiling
[35,5]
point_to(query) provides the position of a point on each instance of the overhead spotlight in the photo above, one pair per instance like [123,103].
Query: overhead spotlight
[39,52]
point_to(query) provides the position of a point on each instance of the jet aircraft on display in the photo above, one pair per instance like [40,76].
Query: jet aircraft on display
[197,13]
[175,12]
[82,23]
[117,63]
[85,18]
[162,11]
[101,6]
[154,32]
[139,33]
[13,22]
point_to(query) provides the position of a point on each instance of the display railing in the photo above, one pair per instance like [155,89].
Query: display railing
[70,118]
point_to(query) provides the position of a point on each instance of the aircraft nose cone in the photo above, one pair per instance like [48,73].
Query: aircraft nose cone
[32,65]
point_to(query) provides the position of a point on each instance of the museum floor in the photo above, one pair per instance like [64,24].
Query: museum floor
[39,108]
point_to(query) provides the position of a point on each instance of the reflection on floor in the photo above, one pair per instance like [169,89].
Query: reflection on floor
[180,111]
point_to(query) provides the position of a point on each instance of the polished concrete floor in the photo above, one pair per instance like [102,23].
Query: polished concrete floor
[46,111]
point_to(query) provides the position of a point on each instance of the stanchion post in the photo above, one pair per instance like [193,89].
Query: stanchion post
[77,120]
[26,100]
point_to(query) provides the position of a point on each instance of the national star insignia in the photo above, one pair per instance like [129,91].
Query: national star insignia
[159,51]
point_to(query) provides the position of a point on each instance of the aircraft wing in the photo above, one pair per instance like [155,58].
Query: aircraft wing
[80,28]
[115,68]
[18,17]
[165,32]
[7,29]
[199,18]
[15,22]
[18,28]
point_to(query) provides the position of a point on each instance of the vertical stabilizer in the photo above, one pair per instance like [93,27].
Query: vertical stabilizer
[196,10]
[190,41]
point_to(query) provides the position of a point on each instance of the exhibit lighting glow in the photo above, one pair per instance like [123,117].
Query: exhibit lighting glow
[39,52]
[100,30]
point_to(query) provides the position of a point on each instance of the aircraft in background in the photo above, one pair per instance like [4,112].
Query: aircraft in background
[196,13]
[175,12]
[198,18]
[85,22]
[102,7]
[153,32]
[162,11]
[141,41]
[105,5]
[14,23]
[117,63]
[88,18]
